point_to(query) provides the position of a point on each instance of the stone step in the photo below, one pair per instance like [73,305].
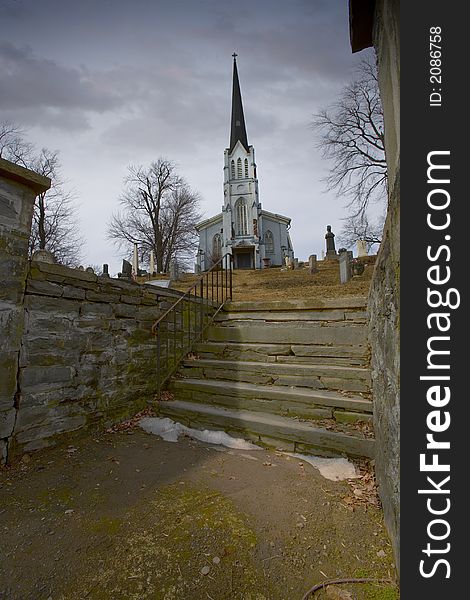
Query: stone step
[350,379]
[299,332]
[355,315]
[358,302]
[288,353]
[267,429]
[271,398]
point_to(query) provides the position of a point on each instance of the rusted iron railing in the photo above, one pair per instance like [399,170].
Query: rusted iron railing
[183,324]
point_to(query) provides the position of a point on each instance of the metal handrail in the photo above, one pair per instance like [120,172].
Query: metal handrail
[185,321]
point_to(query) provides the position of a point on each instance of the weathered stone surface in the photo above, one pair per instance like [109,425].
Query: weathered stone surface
[96,308]
[44,288]
[100,296]
[33,376]
[7,420]
[127,299]
[344,335]
[272,426]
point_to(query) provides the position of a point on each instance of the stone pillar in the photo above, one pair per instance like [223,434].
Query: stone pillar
[18,190]
[344,267]
[312,264]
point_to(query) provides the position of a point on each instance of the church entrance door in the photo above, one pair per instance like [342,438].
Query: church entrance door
[243,259]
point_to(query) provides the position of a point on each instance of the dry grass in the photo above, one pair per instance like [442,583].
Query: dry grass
[274,283]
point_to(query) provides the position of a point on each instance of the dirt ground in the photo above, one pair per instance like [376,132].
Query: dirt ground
[277,284]
[127,516]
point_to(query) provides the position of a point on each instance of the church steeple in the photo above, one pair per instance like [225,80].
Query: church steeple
[238,129]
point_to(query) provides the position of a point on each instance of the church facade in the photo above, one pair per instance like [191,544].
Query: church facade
[243,228]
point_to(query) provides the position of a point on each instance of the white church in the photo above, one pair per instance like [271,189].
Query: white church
[243,228]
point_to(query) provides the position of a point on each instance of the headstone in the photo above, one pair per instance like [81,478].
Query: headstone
[296,263]
[312,263]
[361,248]
[105,270]
[174,270]
[330,243]
[90,270]
[344,267]
[43,256]
[152,262]
[126,270]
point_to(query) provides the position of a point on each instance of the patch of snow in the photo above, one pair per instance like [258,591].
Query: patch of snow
[335,469]
[171,431]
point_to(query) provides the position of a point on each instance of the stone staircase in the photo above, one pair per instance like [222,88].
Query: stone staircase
[287,374]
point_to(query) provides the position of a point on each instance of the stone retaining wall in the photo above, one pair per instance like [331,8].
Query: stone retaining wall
[76,349]
[87,354]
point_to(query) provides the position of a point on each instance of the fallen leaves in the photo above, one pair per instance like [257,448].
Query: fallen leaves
[132,423]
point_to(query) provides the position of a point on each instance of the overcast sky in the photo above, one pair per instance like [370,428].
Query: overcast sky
[110,83]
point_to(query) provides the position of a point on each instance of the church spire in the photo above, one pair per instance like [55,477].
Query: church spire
[238,129]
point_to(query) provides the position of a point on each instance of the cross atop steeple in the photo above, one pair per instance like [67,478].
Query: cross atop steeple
[238,129]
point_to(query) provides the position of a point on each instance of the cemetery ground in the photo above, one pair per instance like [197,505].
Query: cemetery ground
[123,515]
[278,284]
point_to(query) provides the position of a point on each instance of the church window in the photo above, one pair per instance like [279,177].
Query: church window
[216,247]
[242,221]
[246,168]
[269,242]
[239,168]
[232,169]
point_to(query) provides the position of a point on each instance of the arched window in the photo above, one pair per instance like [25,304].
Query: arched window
[239,169]
[232,169]
[216,247]
[269,242]
[246,168]
[241,218]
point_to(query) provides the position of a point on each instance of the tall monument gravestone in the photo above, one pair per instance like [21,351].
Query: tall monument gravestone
[330,244]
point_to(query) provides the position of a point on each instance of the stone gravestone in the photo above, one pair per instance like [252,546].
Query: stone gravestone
[312,263]
[296,263]
[174,270]
[330,244]
[361,248]
[126,270]
[345,272]
[105,270]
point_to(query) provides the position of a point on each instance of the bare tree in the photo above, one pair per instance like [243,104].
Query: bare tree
[54,226]
[13,146]
[352,136]
[358,227]
[159,213]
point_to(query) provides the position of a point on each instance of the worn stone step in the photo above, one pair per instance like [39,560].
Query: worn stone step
[313,398]
[268,429]
[351,379]
[358,302]
[284,315]
[301,333]
[289,353]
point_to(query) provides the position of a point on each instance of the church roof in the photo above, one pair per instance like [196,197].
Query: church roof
[208,222]
[276,217]
[238,129]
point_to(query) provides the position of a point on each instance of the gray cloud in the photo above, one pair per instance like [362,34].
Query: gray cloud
[27,81]
[144,78]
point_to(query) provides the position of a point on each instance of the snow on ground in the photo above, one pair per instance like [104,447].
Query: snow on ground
[335,469]
[171,431]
